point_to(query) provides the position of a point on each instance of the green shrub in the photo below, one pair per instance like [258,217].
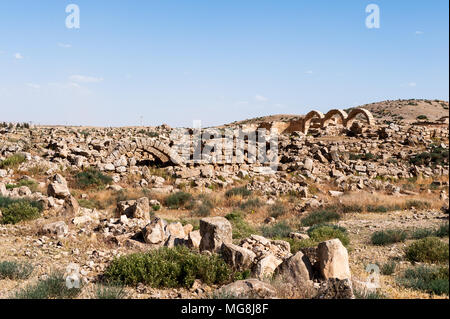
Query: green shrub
[420,233]
[19,211]
[251,203]
[388,268]
[241,228]
[168,267]
[109,291]
[422,117]
[54,287]
[277,210]
[299,244]
[436,156]
[178,199]
[13,161]
[325,232]
[418,204]
[442,231]
[429,249]
[387,237]
[92,178]
[320,217]
[278,230]
[242,191]
[431,279]
[15,270]
[32,185]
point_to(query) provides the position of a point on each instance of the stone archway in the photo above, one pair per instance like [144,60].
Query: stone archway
[359,111]
[309,117]
[145,149]
[331,114]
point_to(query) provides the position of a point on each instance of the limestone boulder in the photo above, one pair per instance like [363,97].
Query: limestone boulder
[333,260]
[215,231]
[237,257]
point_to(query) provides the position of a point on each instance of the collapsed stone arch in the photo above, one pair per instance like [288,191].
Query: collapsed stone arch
[331,114]
[146,149]
[309,117]
[359,111]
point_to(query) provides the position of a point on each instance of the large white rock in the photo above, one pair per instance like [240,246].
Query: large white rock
[266,267]
[333,260]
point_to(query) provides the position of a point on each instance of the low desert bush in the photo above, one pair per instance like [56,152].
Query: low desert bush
[320,217]
[238,191]
[92,178]
[110,291]
[19,211]
[15,270]
[278,230]
[431,279]
[32,185]
[168,267]
[430,249]
[325,232]
[277,210]
[388,268]
[241,228]
[13,161]
[53,287]
[178,200]
[387,237]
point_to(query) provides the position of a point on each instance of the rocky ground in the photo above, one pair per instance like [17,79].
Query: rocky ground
[102,193]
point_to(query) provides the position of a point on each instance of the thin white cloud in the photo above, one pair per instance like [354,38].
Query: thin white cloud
[33,86]
[412,84]
[309,72]
[85,79]
[419,32]
[18,56]
[64,45]
[261,98]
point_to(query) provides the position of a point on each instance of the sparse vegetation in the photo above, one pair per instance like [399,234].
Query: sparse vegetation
[278,230]
[238,191]
[13,161]
[320,217]
[431,279]
[241,228]
[178,200]
[92,178]
[15,270]
[387,237]
[53,287]
[325,232]
[430,249]
[110,291]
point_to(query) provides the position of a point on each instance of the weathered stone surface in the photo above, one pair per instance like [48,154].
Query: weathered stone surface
[193,240]
[296,269]
[249,288]
[333,260]
[335,289]
[237,257]
[139,208]
[154,232]
[215,231]
[71,206]
[265,267]
[60,229]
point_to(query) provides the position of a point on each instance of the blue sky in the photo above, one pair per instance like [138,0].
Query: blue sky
[167,61]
